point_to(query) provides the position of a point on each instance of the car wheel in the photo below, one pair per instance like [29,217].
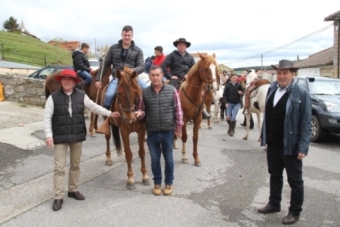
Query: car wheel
[318,133]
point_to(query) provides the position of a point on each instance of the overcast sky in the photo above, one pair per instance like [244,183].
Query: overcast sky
[232,29]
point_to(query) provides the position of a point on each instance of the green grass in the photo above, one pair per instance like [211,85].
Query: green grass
[27,50]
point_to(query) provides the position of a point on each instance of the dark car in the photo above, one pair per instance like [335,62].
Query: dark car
[325,95]
[48,70]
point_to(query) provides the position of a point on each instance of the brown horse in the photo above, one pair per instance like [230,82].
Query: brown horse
[192,101]
[52,85]
[126,103]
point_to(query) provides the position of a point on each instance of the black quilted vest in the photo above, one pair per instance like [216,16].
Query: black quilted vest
[67,129]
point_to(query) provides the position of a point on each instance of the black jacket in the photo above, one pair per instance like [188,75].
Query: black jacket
[230,93]
[178,64]
[80,61]
[134,59]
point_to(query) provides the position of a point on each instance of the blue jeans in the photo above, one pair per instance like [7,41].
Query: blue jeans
[112,88]
[161,143]
[232,110]
[85,76]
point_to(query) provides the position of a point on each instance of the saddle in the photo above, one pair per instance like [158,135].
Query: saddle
[176,83]
[253,86]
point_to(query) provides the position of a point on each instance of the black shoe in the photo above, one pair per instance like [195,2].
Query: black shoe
[76,195]
[244,125]
[268,209]
[57,204]
[205,114]
[290,219]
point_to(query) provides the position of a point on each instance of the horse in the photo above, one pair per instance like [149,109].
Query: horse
[192,101]
[257,99]
[126,103]
[52,85]
[211,96]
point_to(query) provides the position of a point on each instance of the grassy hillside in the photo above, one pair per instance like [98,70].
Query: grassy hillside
[27,50]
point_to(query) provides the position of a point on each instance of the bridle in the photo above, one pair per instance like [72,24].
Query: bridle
[131,108]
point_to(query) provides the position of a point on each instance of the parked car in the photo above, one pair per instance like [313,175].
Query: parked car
[94,63]
[325,96]
[48,70]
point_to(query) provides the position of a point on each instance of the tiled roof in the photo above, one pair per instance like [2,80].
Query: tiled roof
[322,58]
[334,16]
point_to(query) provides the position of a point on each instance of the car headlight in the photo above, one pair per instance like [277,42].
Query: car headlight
[331,107]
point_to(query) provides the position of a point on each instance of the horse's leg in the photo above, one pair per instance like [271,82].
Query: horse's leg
[128,156]
[208,107]
[216,111]
[108,161]
[197,122]
[259,122]
[175,145]
[95,122]
[141,152]
[184,140]
[247,115]
[91,128]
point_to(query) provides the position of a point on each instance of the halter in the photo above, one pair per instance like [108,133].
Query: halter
[131,108]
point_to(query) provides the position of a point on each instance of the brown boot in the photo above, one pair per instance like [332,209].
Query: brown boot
[157,189]
[232,128]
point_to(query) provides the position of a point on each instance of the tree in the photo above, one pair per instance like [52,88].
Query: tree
[11,25]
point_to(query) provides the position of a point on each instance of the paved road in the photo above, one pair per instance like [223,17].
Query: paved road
[225,191]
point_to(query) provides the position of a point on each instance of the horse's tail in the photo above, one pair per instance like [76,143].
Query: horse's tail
[116,139]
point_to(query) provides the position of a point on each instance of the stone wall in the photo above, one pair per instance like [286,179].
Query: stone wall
[23,89]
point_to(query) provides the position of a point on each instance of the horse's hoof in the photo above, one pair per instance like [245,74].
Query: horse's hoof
[185,160]
[146,182]
[130,185]
[198,164]
[209,127]
[93,135]
[108,162]
[175,146]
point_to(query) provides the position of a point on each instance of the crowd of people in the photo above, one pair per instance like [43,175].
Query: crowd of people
[286,125]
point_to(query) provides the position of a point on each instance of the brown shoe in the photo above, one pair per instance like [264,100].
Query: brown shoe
[290,219]
[268,209]
[57,204]
[76,195]
[167,190]
[157,189]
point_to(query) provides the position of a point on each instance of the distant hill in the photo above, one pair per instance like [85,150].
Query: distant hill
[24,49]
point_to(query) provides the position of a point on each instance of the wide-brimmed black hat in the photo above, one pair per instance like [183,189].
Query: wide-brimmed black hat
[285,64]
[182,40]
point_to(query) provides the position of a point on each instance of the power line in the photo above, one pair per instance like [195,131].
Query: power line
[288,44]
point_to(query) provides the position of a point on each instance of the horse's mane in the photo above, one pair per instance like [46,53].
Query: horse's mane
[204,62]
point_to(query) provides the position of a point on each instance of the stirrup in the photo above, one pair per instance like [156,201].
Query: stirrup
[205,114]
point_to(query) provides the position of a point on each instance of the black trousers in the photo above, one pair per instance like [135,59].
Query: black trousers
[276,163]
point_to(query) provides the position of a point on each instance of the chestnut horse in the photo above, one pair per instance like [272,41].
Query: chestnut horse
[200,75]
[126,103]
[52,85]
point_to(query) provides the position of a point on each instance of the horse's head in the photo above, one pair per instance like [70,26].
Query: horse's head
[128,94]
[207,71]
[252,75]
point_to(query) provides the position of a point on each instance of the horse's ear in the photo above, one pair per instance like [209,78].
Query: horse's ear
[118,74]
[134,74]
[201,55]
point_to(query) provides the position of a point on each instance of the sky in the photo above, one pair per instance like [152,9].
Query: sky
[235,31]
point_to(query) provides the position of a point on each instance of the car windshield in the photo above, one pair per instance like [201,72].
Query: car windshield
[325,87]
[94,63]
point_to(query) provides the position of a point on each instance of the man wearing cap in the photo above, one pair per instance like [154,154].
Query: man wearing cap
[286,131]
[179,62]
[65,129]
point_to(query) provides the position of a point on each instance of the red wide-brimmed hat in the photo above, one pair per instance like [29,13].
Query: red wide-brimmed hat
[68,73]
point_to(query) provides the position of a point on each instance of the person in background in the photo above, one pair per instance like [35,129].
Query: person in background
[159,56]
[82,65]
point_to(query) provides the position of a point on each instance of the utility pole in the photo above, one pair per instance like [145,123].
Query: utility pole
[95,48]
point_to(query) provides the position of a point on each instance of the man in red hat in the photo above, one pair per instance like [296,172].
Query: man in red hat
[65,128]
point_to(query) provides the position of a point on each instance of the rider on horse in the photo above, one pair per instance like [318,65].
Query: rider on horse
[124,53]
[179,62]
[82,65]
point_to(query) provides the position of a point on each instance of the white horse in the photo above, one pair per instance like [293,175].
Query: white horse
[145,77]
[257,100]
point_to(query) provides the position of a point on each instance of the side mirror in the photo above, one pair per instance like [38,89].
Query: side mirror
[311,79]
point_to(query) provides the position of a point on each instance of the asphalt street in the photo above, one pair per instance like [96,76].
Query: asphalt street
[226,191]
